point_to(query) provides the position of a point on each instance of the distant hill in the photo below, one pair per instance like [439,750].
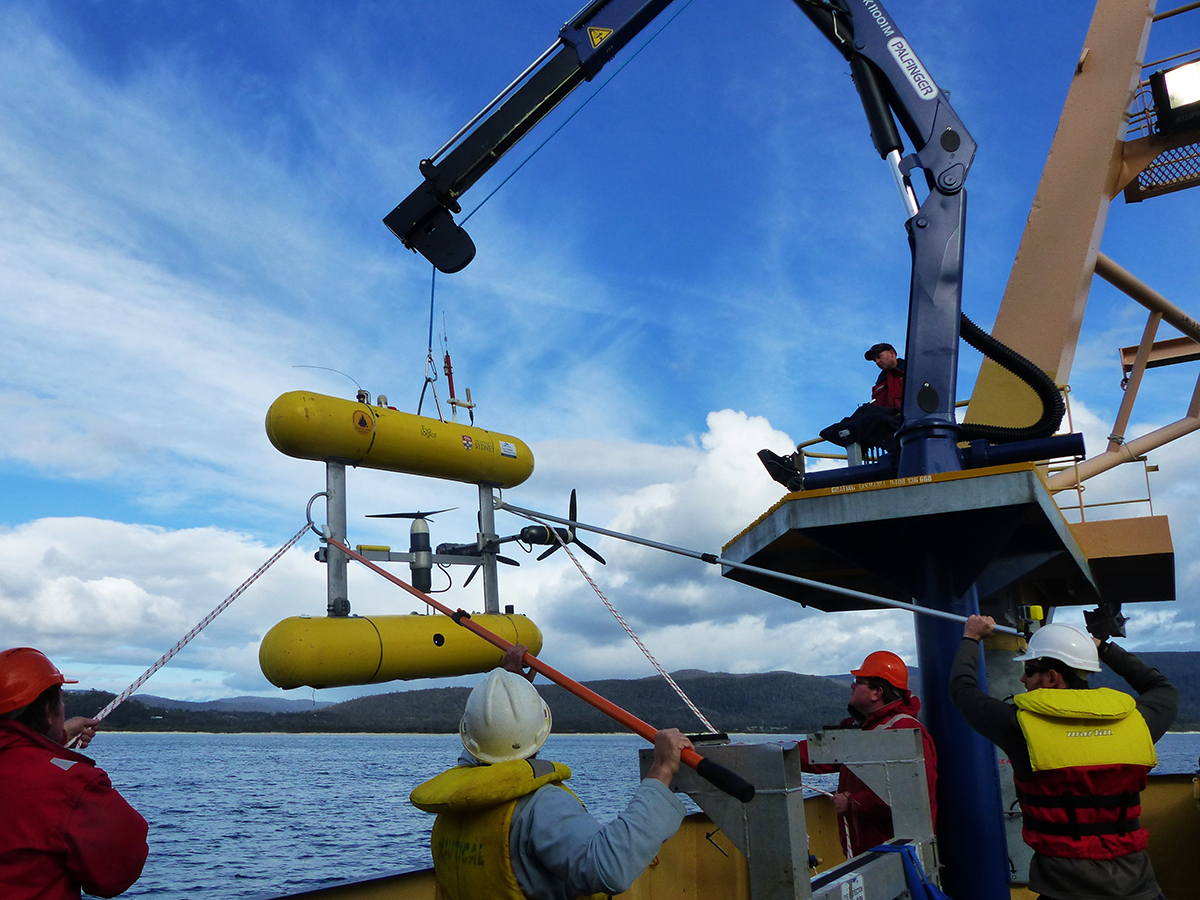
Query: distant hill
[1183,669]
[236,704]
[779,702]
[774,702]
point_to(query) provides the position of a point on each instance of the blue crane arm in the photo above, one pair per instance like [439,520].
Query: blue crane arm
[890,79]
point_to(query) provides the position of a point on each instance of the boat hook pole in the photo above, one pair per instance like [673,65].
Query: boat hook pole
[719,776]
[757,570]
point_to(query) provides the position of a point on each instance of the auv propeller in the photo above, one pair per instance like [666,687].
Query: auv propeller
[412,515]
[543,534]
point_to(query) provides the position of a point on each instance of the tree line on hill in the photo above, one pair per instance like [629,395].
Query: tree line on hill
[770,703]
[776,702]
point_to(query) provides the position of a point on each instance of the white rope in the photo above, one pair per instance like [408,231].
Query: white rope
[166,657]
[629,631]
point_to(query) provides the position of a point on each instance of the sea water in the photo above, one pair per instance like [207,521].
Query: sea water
[255,815]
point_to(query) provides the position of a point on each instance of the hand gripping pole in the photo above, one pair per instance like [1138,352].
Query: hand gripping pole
[719,776]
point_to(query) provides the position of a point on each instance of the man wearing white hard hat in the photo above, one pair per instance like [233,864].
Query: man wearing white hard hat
[63,828]
[507,827]
[1079,756]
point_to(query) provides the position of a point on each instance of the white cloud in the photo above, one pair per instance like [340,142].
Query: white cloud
[109,597]
[687,615]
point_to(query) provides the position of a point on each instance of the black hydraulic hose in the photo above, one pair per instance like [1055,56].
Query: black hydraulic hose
[1053,407]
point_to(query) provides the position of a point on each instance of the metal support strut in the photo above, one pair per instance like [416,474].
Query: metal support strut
[487,549]
[335,505]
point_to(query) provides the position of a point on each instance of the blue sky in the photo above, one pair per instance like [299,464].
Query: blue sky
[191,196]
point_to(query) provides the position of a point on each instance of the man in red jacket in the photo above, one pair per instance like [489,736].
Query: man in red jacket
[63,829]
[879,698]
[888,390]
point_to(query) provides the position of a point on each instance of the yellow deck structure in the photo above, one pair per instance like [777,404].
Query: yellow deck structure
[699,862]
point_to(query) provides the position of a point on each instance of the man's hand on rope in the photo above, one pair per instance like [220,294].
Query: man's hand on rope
[80,729]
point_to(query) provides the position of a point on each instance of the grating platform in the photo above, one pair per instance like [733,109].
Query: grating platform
[987,527]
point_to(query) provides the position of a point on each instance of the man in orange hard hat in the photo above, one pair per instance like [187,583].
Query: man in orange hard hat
[879,698]
[64,828]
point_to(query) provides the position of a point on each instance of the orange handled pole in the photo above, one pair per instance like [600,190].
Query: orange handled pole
[725,779]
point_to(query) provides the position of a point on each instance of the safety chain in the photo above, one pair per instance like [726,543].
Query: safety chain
[629,631]
[166,657]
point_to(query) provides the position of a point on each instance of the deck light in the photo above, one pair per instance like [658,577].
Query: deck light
[1177,96]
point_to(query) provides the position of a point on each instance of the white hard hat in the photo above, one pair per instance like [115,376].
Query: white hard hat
[505,719]
[1063,642]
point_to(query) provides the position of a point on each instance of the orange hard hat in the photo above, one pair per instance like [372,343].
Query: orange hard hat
[24,674]
[886,665]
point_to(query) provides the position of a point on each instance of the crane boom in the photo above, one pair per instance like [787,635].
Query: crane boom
[423,220]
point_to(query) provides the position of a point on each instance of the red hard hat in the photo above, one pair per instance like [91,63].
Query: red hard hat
[886,665]
[24,674]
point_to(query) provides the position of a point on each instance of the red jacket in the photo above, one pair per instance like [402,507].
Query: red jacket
[870,819]
[62,826]
[888,390]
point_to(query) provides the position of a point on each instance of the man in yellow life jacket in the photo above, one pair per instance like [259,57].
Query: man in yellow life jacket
[507,827]
[1079,756]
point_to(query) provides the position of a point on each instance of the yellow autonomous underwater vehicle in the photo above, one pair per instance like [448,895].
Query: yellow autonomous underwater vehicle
[341,649]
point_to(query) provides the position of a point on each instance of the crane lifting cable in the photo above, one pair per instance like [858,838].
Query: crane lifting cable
[430,368]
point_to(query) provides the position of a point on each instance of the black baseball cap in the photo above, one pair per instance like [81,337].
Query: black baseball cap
[876,349]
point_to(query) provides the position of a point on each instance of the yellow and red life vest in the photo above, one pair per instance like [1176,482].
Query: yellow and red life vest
[1090,751]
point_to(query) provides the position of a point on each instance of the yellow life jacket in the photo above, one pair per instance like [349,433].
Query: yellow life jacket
[1095,727]
[1090,751]
[472,859]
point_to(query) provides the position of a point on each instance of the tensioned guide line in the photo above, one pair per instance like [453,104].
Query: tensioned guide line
[758,570]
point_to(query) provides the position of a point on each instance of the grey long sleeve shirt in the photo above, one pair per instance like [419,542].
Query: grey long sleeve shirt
[559,851]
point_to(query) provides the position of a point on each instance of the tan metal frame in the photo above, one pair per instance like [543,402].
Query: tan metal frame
[1091,161]
[1042,310]
[1119,449]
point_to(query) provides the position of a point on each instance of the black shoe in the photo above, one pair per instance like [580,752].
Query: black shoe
[780,468]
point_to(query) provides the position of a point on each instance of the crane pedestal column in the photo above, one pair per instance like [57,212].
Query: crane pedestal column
[971,839]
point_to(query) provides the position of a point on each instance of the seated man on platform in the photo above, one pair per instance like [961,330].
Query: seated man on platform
[888,390]
[872,426]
